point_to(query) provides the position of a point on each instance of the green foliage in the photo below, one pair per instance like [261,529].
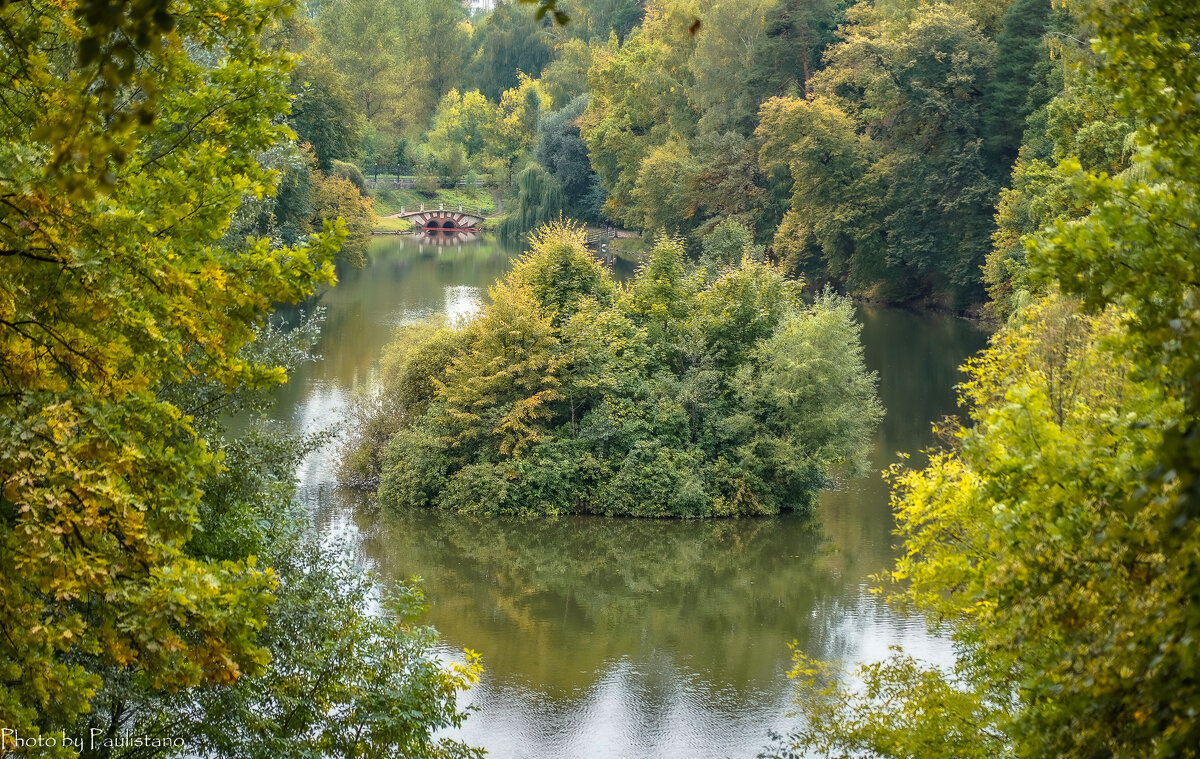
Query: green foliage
[675,396]
[564,155]
[305,199]
[669,114]
[336,198]
[795,370]
[727,183]
[638,101]
[1021,82]
[831,227]
[350,173]
[796,34]
[510,41]
[374,45]
[1136,251]
[728,45]
[500,389]
[414,360]
[156,574]
[341,681]
[598,19]
[726,245]
[565,77]
[324,114]
[457,136]
[1081,124]
[540,200]
[661,297]
[560,274]
[549,8]
[438,34]
[361,40]
[1058,536]
[872,150]
[116,284]
[662,193]
[1009,537]
[889,184]
[471,132]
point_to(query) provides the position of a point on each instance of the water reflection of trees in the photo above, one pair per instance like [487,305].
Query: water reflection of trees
[917,357]
[403,280]
[555,599]
[550,603]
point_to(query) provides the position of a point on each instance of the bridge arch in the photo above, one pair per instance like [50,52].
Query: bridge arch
[443,219]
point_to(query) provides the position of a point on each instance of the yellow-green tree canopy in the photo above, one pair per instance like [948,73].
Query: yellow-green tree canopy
[471,132]
[1057,538]
[127,140]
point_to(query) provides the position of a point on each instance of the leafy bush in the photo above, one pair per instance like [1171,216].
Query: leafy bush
[684,394]
[350,173]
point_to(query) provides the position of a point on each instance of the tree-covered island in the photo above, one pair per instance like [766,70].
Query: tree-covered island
[691,391]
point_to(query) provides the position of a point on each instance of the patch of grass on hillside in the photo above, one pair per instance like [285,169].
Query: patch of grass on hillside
[389,200]
[628,248]
[391,226]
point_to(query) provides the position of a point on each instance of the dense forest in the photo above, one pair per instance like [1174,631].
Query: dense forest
[171,171]
[866,145]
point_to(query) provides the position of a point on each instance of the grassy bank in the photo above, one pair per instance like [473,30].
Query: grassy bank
[389,200]
[391,226]
[628,248]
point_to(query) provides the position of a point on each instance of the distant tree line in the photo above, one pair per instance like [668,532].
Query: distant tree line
[865,144]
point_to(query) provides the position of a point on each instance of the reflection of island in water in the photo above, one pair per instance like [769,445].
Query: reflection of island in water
[552,601]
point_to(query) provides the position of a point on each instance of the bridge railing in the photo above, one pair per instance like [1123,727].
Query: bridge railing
[596,238]
[462,208]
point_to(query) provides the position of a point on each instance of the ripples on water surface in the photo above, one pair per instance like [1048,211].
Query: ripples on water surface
[622,638]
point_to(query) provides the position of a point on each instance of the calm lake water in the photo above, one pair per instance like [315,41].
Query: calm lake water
[622,638]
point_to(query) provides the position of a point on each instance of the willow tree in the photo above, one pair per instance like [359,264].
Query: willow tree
[540,200]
